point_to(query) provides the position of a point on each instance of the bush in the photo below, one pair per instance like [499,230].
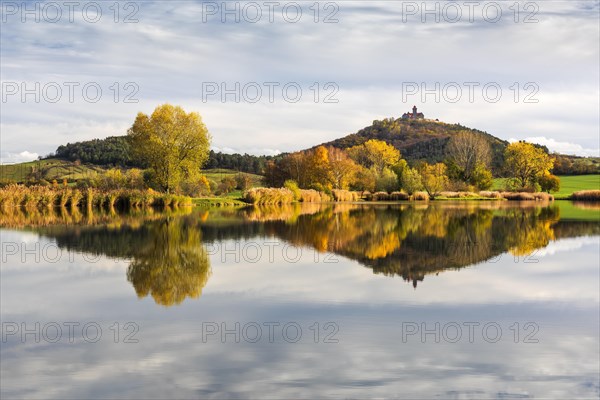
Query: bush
[268,196]
[309,196]
[243,181]
[345,195]
[518,196]
[213,185]
[549,183]
[293,186]
[586,195]
[420,196]
[543,196]
[399,196]
[482,177]
[195,187]
[384,196]
[227,185]
[490,194]
[458,195]
[325,197]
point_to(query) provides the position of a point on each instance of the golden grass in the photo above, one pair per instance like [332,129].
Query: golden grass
[46,197]
[309,196]
[268,196]
[423,196]
[345,195]
[586,195]
[490,194]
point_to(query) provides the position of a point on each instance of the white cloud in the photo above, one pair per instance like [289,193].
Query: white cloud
[250,150]
[369,53]
[11,158]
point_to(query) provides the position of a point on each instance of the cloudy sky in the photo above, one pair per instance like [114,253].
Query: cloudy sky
[278,77]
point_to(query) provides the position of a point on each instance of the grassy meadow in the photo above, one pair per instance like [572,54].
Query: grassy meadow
[568,184]
[47,169]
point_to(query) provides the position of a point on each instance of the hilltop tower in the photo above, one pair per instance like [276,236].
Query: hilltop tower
[413,115]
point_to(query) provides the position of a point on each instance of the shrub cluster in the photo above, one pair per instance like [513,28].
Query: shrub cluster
[345,195]
[268,196]
[524,196]
[586,195]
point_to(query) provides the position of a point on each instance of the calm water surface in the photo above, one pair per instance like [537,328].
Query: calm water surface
[447,300]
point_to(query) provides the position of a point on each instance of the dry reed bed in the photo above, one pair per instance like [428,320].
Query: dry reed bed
[271,196]
[45,197]
[586,195]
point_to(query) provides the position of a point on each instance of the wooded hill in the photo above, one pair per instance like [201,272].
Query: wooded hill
[418,139]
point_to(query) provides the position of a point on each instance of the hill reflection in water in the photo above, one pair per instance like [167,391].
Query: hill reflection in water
[168,259]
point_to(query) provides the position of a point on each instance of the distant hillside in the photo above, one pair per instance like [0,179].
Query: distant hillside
[417,139]
[49,170]
[115,151]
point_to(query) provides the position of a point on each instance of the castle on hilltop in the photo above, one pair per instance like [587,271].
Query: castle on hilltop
[413,115]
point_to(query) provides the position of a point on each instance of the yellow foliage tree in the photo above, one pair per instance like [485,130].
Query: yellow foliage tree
[174,144]
[375,153]
[434,178]
[527,163]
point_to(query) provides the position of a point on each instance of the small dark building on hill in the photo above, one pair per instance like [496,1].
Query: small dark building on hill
[413,115]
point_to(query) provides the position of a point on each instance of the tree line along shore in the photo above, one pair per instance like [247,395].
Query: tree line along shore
[171,146]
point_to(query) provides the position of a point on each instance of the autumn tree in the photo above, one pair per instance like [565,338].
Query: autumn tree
[296,165]
[173,265]
[526,164]
[549,183]
[342,168]
[482,177]
[364,180]
[375,153]
[434,178]
[172,143]
[317,168]
[469,151]
[243,181]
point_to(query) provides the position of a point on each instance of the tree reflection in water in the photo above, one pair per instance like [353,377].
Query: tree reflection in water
[172,264]
[169,262]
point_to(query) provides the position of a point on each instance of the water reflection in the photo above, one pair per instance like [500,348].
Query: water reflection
[168,260]
[170,264]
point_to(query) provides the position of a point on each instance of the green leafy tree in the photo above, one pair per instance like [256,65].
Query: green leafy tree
[387,181]
[482,177]
[172,143]
[411,180]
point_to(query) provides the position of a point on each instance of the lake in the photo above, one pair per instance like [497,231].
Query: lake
[439,300]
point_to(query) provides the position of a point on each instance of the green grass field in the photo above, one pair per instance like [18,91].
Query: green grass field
[47,169]
[568,184]
[575,183]
[219,174]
